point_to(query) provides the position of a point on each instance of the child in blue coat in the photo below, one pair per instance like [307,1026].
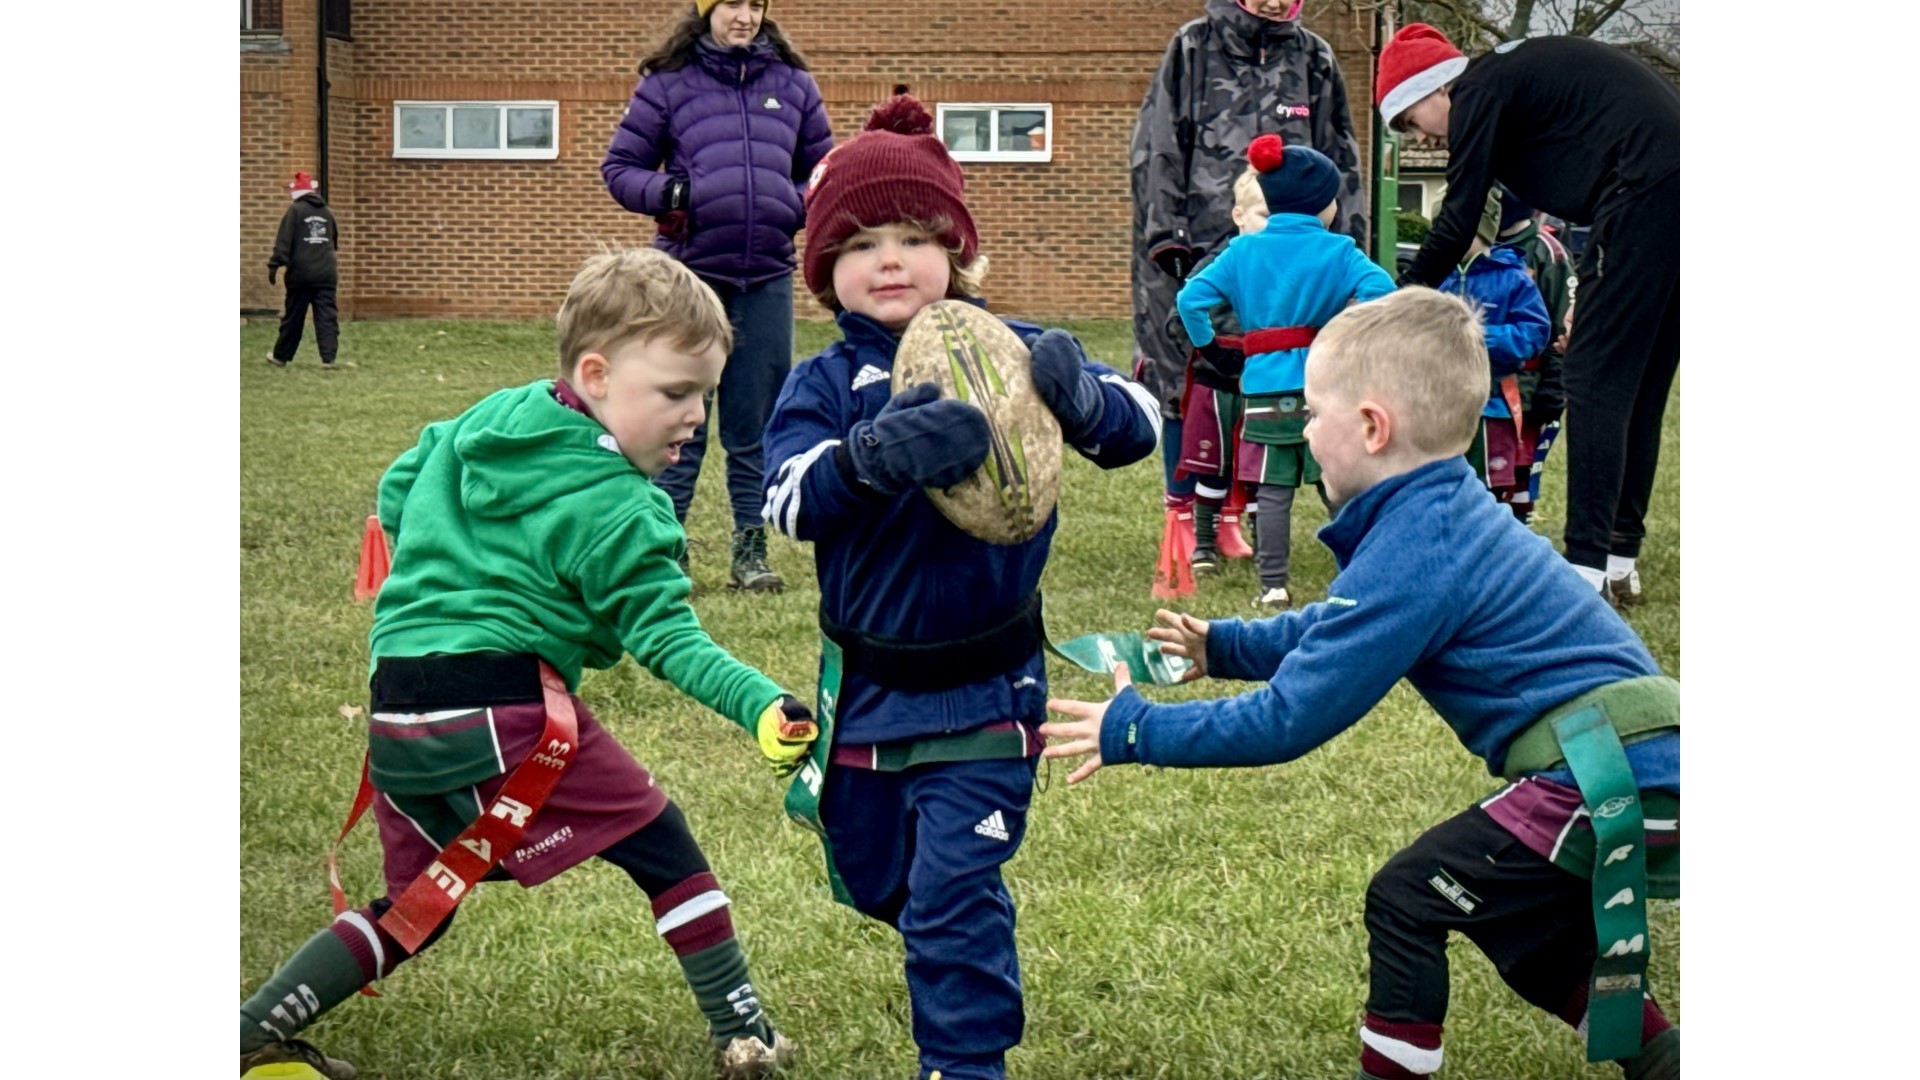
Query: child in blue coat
[1440,585]
[1284,282]
[942,687]
[1494,279]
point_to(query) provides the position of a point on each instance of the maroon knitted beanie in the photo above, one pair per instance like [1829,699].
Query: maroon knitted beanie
[893,170]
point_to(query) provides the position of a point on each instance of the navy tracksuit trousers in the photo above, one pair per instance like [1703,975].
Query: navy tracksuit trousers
[921,850]
[762,318]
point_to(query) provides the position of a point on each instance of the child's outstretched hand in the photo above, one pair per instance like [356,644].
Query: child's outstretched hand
[1183,636]
[1082,734]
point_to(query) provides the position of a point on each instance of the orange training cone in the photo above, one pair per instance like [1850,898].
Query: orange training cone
[1173,577]
[374,561]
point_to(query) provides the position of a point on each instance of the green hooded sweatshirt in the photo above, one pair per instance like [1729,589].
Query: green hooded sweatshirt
[519,526]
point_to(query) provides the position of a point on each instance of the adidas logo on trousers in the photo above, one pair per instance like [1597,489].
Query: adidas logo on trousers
[993,825]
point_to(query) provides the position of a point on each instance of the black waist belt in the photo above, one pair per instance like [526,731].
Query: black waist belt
[454,680]
[940,665]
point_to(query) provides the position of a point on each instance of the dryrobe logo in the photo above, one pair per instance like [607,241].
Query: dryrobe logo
[1289,111]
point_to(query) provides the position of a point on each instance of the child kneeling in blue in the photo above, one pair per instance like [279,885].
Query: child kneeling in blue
[943,687]
[1528,666]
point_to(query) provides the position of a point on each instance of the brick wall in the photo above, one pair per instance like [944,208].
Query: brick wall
[502,238]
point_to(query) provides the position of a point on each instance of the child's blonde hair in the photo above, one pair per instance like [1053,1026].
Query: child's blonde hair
[963,281]
[1422,350]
[1246,191]
[641,293]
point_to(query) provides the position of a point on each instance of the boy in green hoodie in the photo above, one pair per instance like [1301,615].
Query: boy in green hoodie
[530,542]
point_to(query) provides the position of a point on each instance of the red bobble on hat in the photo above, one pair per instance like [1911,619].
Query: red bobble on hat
[1266,153]
[894,170]
[301,182]
[1418,61]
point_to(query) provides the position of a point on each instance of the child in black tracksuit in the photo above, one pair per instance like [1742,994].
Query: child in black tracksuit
[308,238]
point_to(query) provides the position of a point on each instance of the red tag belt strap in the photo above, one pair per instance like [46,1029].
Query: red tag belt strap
[1278,338]
[426,903]
[1510,393]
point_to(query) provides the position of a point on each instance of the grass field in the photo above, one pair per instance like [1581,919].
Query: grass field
[1192,924]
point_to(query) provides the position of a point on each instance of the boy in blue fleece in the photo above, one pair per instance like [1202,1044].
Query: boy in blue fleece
[1529,667]
[1494,279]
[942,687]
[1284,282]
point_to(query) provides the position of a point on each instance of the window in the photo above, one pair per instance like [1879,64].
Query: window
[476,129]
[259,15]
[1413,196]
[997,132]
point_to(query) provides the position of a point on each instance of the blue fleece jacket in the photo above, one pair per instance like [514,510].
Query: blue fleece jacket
[1291,273]
[896,566]
[1515,315]
[1490,652]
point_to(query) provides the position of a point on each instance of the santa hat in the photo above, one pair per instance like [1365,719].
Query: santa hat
[1418,61]
[893,170]
[301,184]
[1294,179]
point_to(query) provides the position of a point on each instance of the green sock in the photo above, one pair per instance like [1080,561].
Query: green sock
[321,975]
[718,977]
[1206,517]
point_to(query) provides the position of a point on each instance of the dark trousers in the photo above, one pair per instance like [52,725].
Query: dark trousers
[1620,363]
[919,850]
[293,322]
[1532,919]
[762,318]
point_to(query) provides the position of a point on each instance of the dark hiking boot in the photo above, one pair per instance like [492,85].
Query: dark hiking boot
[750,570]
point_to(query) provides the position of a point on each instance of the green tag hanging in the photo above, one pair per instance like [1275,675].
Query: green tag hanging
[1599,765]
[1102,652]
[803,795]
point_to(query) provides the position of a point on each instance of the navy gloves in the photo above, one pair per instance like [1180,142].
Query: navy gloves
[273,272]
[918,440]
[1067,387]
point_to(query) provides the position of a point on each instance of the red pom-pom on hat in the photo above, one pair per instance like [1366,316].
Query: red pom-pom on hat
[1266,153]
[901,114]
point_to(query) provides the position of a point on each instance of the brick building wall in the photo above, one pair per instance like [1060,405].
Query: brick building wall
[490,238]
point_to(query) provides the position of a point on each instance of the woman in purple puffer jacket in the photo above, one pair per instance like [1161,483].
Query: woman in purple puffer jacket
[717,145]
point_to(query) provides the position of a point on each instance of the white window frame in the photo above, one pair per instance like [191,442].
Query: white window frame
[502,152]
[994,109]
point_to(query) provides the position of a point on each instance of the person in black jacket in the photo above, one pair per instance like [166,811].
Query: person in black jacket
[305,246]
[1588,133]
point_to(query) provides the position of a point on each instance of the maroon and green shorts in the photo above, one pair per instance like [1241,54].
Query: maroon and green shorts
[1273,441]
[603,796]
[1208,430]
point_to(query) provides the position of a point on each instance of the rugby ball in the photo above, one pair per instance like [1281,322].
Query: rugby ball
[972,356]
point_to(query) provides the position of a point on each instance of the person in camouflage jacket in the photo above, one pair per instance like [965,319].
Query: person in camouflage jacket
[1226,77]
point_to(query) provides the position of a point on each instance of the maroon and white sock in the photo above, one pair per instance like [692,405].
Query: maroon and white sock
[1399,1050]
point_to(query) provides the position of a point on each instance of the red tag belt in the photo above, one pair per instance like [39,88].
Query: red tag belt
[426,903]
[1278,338]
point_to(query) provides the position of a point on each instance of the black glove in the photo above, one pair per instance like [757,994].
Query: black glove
[273,273]
[677,193]
[1175,257]
[919,440]
[1229,362]
[1067,387]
